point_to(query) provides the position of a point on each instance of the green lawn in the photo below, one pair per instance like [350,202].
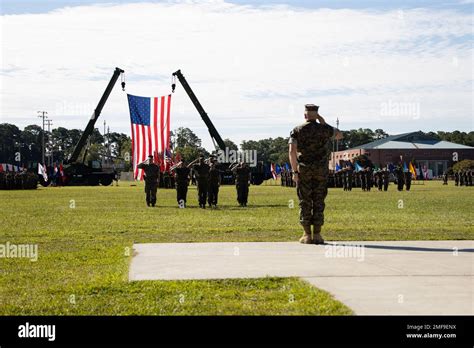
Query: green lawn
[85,234]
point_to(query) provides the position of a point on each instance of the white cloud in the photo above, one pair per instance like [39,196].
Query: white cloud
[252,68]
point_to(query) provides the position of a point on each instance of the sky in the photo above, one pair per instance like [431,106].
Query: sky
[397,65]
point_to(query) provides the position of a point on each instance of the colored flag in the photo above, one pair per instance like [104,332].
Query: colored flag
[358,168]
[287,167]
[272,169]
[412,170]
[61,172]
[150,120]
[42,172]
[277,169]
[338,167]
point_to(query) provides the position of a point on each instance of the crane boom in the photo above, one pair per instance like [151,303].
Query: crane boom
[95,115]
[210,126]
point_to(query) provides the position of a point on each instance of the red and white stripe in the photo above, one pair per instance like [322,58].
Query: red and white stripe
[152,139]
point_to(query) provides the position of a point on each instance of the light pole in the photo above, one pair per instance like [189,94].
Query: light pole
[43,116]
[49,123]
[337,140]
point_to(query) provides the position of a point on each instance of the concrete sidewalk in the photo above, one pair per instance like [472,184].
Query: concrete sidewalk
[394,277]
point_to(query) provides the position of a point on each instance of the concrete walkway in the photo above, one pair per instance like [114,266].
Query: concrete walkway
[394,277]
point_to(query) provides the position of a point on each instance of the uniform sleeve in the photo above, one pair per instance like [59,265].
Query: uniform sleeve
[329,130]
[293,136]
[141,166]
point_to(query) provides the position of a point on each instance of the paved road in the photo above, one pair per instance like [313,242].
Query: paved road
[390,277]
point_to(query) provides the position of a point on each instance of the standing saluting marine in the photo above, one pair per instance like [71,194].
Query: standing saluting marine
[309,153]
[152,177]
[182,182]
[242,182]
[201,171]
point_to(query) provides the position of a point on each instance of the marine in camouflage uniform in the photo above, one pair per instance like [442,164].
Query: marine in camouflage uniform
[445,178]
[242,179]
[182,182]
[201,171]
[370,181]
[386,178]
[214,182]
[400,177]
[363,179]
[309,155]
[407,180]
[152,178]
[350,173]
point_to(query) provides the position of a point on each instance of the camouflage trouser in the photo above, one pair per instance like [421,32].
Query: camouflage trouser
[213,193]
[181,192]
[242,192]
[150,190]
[312,190]
[202,191]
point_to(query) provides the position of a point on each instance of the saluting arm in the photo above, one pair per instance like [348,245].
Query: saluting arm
[176,165]
[337,133]
[142,165]
[192,163]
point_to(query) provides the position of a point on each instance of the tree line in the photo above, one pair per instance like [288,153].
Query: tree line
[60,142]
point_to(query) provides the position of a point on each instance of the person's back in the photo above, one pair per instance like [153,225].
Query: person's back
[313,139]
[309,155]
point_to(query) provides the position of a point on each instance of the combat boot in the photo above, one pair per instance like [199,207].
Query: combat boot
[317,238]
[306,239]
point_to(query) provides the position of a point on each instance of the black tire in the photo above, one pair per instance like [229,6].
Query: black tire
[93,180]
[106,180]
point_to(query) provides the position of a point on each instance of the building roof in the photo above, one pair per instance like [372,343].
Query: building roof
[412,140]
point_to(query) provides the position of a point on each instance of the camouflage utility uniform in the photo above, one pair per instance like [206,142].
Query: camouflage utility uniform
[312,140]
[242,177]
[214,176]
[202,175]
[182,181]
[152,177]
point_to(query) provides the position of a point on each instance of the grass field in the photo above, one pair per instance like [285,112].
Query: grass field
[85,235]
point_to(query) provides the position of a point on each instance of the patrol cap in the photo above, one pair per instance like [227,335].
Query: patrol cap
[150,156]
[311,107]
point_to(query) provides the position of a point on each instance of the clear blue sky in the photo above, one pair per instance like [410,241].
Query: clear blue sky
[38,6]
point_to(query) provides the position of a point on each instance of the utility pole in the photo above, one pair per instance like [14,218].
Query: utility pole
[43,116]
[49,123]
[337,140]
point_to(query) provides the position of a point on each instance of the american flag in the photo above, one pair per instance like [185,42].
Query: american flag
[150,118]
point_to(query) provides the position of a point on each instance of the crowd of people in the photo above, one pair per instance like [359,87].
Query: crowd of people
[22,180]
[461,178]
